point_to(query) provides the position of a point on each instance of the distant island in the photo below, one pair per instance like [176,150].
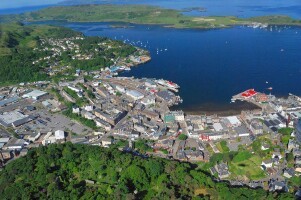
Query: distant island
[144,14]
[198,9]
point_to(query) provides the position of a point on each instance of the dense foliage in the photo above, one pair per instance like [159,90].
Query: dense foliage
[24,58]
[16,51]
[61,171]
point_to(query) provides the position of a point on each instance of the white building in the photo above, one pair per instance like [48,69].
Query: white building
[233,121]
[35,94]
[49,139]
[149,100]
[89,108]
[217,127]
[120,89]
[134,94]
[74,89]
[59,135]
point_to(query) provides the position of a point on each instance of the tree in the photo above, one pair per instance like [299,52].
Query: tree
[182,137]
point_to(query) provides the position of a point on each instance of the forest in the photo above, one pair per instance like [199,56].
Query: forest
[74,171]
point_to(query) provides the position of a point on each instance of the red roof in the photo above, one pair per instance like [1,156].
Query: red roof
[249,93]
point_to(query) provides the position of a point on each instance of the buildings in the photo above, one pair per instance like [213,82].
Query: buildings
[298,131]
[232,121]
[14,118]
[134,94]
[59,135]
[221,169]
[35,94]
[111,117]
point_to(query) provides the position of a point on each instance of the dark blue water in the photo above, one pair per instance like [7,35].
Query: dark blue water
[212,65]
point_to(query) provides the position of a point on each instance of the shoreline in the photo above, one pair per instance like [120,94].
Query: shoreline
[218,109]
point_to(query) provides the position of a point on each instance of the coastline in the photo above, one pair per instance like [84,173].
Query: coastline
[218,109]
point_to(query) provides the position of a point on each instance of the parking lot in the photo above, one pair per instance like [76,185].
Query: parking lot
[55,121]
[233,144]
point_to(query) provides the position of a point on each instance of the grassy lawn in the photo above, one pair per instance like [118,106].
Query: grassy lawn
[222,147]
[285,134]
[249,167]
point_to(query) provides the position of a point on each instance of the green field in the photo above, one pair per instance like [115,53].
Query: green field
[142,14]
[222,146]
[249,167]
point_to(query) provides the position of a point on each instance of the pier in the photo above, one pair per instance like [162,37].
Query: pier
[248,96]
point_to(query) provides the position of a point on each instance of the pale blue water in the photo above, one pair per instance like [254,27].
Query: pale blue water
[241,8]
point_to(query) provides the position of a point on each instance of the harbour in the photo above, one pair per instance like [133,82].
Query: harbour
[214,64]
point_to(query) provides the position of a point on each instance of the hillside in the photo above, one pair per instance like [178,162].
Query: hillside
[40,52]
[142,14]
[16,50]
[62,171]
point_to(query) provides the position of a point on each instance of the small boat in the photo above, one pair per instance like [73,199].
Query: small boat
[282,50]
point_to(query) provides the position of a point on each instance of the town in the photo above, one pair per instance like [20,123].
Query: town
[258,148]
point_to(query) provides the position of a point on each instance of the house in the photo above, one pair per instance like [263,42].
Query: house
[289,172]
[256,127]
[149,100]
[59,135]
[296,152]
[265,147]
[106,141]
[87,115]
[6,154]
[217,127]
[135,134]
[298,168]
[241,131]
[103,124]
[4,140]
[15,144]
[267,163]
[222,170]
[75,109]
[140,128]
[298,160]
[292,144]
[49,138]
[277,154]
[89,108]
[277,186]
[33,137]
[232,121]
